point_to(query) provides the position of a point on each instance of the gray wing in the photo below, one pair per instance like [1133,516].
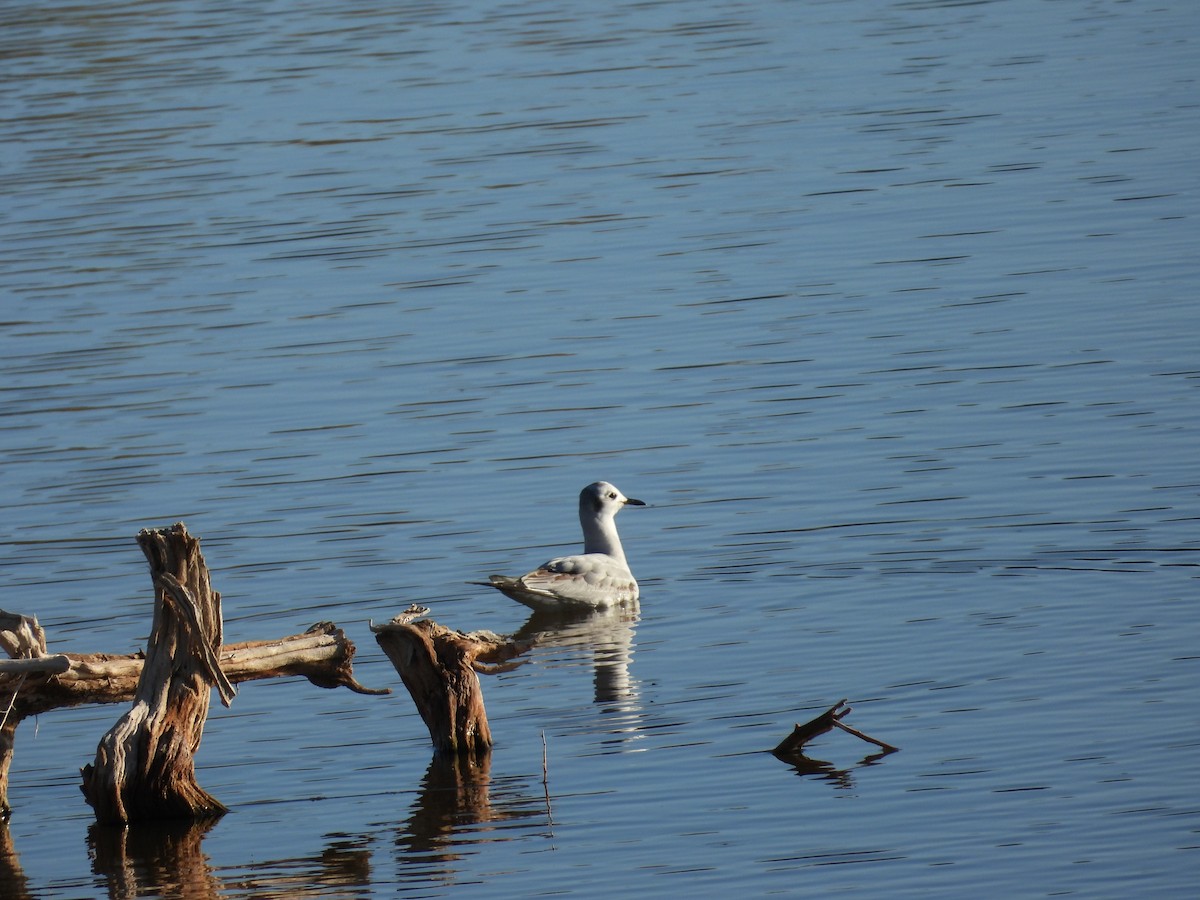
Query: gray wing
[593,579]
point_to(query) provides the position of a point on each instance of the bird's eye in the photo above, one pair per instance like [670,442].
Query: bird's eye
[612,496]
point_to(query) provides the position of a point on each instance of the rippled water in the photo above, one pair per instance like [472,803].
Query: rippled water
[886,308]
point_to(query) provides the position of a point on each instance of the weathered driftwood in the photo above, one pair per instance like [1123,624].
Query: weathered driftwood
[31,686]
[793,744]
[185,656]
[42,665]
[22,638]
[438,666]
[323,654]
[144,767]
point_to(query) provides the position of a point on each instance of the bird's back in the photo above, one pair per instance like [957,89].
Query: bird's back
[590,580]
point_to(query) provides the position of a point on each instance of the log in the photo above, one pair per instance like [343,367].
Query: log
[323,655]
[438,666]
[144,767]
[42,665]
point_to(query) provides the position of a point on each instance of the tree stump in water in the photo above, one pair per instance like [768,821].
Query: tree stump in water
[23,639]
[438,666]
[144,767]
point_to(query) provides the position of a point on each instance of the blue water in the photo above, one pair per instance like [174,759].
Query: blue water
[886,308]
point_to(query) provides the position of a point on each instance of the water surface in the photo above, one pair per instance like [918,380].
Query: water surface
[886,308]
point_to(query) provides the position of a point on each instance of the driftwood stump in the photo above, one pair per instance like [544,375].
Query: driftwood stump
[438,666]
[144,767]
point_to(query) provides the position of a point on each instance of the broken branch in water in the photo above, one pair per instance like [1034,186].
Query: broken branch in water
[793,744]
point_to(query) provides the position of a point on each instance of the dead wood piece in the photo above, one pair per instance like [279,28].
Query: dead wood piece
[30,687]
[39,665]
[200,626]
[323,655]
[438,666]
[21,637]
[793,744]
[144,767]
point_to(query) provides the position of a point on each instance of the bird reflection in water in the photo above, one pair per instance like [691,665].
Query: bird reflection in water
[606,638]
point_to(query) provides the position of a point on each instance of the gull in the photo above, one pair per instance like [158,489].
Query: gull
[598,577]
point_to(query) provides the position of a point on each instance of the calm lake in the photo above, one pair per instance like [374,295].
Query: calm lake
[887,308]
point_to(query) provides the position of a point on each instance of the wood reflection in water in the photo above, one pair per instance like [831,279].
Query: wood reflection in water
[12,876]
[455,797]
[827,771]
[164,859]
